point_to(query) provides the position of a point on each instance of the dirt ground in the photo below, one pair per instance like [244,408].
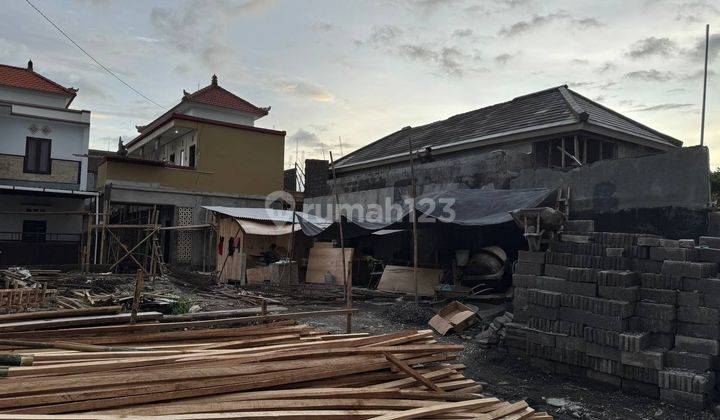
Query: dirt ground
[511,378]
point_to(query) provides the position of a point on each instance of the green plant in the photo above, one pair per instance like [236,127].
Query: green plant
[181,306]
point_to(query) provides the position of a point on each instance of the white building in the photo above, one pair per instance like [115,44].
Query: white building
[43,169]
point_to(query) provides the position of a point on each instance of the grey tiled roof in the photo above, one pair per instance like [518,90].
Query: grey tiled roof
[552,107]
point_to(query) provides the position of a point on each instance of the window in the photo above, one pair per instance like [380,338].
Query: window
[172,158]
[34,230]
[191,156]
[37,156]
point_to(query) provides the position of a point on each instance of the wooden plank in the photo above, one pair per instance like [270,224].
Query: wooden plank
[397,279]
[439,409]
[328,260]
[49,324]
[411,372]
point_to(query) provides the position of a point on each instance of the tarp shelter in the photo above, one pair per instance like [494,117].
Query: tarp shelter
[248,232]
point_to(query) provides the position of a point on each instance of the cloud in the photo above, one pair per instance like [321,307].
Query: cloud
[697,52]
[463,33]
[580,61]
[323,27]
[649,75]
[606,67]
[383,35]
[663,107]
[449,61]
[694,11]
[580,84]
[417,52]
[588,22]
[537,21]
[652,46]
[305,90]
[503,59]
[697,75]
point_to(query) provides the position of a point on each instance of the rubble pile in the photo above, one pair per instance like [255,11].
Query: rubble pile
[634,311]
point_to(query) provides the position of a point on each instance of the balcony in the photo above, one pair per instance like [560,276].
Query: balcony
[150,173]
[64,174]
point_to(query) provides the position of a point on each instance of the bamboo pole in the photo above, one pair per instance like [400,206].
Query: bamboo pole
[348,283]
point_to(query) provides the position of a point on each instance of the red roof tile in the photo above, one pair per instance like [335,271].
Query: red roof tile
[216,96]
[26,78]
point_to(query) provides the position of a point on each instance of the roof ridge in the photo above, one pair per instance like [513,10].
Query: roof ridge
[652,130]
[190,96]
[575,107]
[539,92]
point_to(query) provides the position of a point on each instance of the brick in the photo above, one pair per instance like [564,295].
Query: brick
[668,297]
[636,387]
[604,378]
[648,241]
[634,341]
[655,311]
[638,323]
[526,281]
[698,315]
[686,381]
[531,257]
[710,241]
[697,345]
[580,226]
[644,359]
[684,399]
[529,268]
[689,269]
[691,361]
[629,294]
[699,330]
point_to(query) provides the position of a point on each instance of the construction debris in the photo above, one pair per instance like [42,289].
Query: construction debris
[230,368]
[455,316]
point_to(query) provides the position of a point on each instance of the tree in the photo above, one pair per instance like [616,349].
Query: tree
[715,184]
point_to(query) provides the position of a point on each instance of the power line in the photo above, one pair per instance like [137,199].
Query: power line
[91,57]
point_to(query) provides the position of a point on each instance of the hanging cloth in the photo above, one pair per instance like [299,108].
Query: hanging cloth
[220,245]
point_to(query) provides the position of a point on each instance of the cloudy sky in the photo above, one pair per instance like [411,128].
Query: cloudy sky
[359,70]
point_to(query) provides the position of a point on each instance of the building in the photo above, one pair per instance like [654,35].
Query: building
[43,169]
[204,151]
[551,138]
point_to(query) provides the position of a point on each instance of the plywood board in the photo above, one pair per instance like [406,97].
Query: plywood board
[323,260]
[453,316]
[400,279]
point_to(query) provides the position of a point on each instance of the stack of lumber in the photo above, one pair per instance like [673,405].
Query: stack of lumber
[94,365]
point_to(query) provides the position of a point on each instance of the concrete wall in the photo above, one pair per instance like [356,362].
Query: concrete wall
[70,224]
[28,96]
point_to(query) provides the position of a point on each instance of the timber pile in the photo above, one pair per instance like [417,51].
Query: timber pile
[229,368]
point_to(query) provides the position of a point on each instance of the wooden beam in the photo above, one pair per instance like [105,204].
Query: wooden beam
[411,372]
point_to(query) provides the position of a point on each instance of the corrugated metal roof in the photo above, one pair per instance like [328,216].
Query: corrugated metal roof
[552,107]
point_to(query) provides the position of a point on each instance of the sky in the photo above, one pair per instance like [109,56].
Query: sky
[341,74]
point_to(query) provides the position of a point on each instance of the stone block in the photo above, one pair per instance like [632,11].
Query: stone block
[697,345]
[645,359]
[697,270]
[662,296]
[629,294]
[531,257]
[533,269]
[690,361]
[698,315]
[634,341]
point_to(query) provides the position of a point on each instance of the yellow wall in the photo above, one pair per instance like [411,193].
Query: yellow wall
[229,160]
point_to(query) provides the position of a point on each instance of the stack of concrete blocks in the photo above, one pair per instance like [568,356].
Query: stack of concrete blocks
[637,312]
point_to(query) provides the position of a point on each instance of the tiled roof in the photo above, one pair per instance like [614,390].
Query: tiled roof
[216,96]
[26,78]
[548,108]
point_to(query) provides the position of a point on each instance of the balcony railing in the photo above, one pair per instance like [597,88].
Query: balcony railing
[39,237]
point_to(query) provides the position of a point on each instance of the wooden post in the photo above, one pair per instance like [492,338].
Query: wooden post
[139,284]
[106,211]
[346,281]
[413,215]
[88,240]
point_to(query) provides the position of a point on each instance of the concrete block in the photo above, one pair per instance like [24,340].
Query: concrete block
[711,255]
[543,298]
[542,338]
[559,271]
[617,278]
[671,254]
[645,375]
[699,330]
[604,378]
[668,297]
[689,298]
[687,243]
[646,266]
[648,241]
[629,294]
[580,226]
[638,323]
[655,311]
[698,315]
[664,341]
[570,343]
[645,359]
[684,399]
[695,270]
[537,311]
[634,341]
[669,243]
[531,257]
[581,275]
[710,241]
[602,337]
[534,269]
[687,381]
[593,320]
[697,345]
[602,352]
[526,281]
[614,252]
[660,281]
[636,387]
[690,361]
